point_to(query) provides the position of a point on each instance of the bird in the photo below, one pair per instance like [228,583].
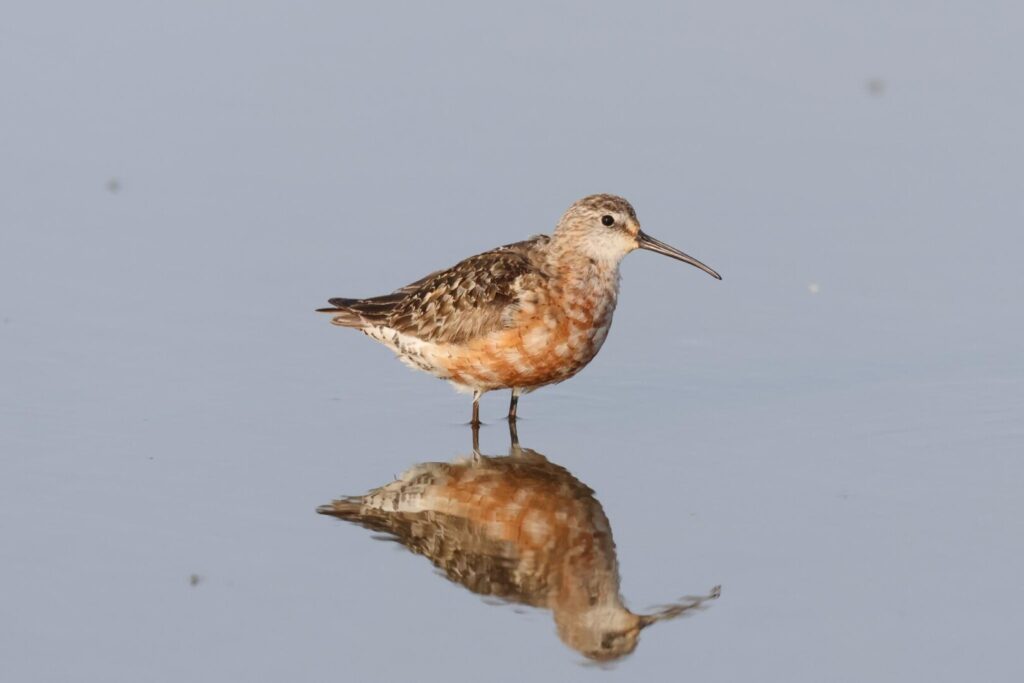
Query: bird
[520,317]
[520,529]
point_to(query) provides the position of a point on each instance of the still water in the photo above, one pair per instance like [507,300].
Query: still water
[832,433]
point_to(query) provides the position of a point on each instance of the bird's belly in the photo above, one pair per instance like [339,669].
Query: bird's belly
[539,351]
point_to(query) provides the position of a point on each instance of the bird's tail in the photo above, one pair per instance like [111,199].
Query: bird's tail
[343,313]
[361,312]
[343,508]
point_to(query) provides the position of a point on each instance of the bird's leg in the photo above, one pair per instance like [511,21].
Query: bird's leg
[513,405]
[476,409]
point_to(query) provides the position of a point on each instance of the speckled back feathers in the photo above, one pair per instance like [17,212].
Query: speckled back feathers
[472,298]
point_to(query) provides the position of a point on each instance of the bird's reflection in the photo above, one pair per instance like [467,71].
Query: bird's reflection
[519,528]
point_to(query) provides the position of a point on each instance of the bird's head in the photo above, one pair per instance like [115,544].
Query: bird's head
[602,632]
[607,630]
[604,228]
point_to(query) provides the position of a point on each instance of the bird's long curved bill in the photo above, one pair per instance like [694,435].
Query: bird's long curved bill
[684,605]
[650,244]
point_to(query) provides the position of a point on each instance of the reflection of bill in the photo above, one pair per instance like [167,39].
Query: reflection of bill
[519,528]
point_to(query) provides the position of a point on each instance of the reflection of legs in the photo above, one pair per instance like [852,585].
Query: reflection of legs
[513,405]
[476,440]
[476,409]
[513,434]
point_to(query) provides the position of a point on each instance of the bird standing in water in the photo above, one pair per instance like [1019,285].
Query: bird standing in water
[519,317]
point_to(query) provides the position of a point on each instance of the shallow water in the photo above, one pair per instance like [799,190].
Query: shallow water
[832,433]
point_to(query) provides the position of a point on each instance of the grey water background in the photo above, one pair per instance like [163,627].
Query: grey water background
[833,433]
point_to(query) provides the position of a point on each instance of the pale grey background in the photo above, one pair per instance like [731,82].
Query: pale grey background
[847,464]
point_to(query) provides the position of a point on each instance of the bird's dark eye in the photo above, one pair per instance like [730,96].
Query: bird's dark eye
[608,220]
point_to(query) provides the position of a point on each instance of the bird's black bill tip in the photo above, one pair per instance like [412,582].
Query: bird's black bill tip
[649,243]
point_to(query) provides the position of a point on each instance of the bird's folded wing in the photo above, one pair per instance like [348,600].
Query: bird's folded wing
[473,298]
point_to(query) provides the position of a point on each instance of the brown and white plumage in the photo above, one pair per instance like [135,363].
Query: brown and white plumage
[519,528]
[475,297]
[518,317]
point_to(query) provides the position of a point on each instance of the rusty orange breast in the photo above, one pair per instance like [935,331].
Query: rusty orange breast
[550,341]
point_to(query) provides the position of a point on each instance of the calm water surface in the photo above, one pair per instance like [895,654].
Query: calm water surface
[832,434]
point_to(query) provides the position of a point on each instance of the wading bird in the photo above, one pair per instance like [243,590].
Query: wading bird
[518,317]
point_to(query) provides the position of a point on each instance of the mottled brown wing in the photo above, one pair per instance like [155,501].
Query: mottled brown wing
[473,298]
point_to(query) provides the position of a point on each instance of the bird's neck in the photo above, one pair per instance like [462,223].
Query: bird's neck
[569,249]
[584,276]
